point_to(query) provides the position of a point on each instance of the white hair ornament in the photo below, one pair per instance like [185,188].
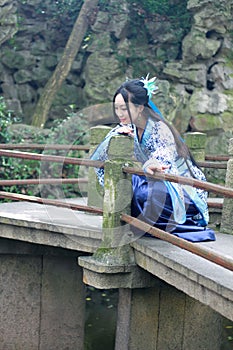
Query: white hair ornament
[149,85]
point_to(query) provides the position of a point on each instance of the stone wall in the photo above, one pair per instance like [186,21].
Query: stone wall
[193,62]
[42,297]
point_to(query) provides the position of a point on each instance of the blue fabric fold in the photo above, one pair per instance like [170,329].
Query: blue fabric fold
[152,204]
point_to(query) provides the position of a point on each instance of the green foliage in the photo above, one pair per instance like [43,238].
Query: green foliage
[65,8]
[71,131]
[173,10]
[169,16]
[62,10]
[106,5]
[5,121]
[160,7]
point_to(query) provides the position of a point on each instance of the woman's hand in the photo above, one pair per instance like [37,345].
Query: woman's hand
[153,165]
[125,130]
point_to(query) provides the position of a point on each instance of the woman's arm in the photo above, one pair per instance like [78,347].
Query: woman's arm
[161,150]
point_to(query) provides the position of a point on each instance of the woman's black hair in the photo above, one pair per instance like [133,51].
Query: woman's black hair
[134,91]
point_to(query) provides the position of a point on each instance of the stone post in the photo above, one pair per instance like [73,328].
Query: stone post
[113,265]
[227,212]
[196,142]
[95,191]
[117,199]
[114,249]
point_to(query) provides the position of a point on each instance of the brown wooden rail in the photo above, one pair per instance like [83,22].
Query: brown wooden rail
[51,158]
[217,158]
[50,181]
[227,192]
[58,203]
[208,186]
[40,146]
[11,146]
[214,165]
[179,242]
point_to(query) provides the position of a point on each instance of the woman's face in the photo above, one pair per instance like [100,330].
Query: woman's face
[122,112]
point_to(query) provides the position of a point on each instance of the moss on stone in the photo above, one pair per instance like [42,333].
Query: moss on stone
[206,122]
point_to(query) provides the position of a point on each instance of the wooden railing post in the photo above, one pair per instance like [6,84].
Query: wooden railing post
[196,142]
[95,191]
[227,212]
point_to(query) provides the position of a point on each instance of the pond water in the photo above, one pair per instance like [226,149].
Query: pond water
[101,315]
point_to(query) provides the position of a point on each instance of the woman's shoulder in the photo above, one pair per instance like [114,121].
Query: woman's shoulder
[160,128]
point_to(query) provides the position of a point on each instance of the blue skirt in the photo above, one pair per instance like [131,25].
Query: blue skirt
[152,204]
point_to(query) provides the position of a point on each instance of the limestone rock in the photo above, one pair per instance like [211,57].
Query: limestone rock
[222,76]
[8,20]
[210,102]
[194,74]
[104,75]
[193,63]
[101,23]
[196,46]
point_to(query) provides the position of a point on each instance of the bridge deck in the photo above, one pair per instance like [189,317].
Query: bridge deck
[48,225]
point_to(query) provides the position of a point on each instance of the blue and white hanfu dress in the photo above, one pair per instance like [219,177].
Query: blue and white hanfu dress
[179,209]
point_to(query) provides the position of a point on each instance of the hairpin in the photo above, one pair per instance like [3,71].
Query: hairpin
[149,85]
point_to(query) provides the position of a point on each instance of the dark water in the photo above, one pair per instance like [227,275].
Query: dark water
[227,335]
[101,314]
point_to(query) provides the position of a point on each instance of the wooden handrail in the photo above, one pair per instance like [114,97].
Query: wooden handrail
[40,146]
[51,158]
[50,181]
[208,186]
[196,249]
[214,165]
[211,157]
[227,192]
[58,203]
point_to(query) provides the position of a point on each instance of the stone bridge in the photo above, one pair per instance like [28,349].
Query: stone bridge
[169,298]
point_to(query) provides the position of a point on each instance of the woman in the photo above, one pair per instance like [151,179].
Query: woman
[179,209]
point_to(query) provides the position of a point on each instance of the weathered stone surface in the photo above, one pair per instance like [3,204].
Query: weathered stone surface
[8,20]
[42,297]
[20,276]
[190,273]
[192,74]
[59,294]
[26,93]
[196,141]
[22,76]
[63,304]
[196,46]
[99,86]
[209,102]
[26,132]
[124,41]
[101,22]
[227,213]
[221,75]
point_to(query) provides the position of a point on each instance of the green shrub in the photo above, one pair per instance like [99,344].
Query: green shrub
[73,130]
